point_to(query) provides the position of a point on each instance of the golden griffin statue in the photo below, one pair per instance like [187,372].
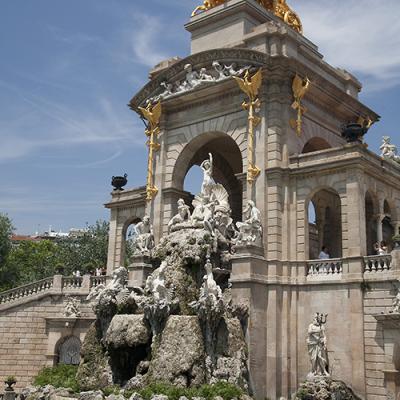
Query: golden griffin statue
[153,115]
[299,87]
[279,7]
[251,86]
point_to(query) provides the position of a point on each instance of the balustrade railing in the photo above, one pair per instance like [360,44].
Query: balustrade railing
[26,290]
[97,280]
[373,264]
[333,266]
[72,282]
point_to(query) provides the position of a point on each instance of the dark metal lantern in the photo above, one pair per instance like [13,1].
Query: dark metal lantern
[119,182]
[354,132]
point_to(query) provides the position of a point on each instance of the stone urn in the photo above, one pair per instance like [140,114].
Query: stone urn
[119,182]
[10,381]
[354,133]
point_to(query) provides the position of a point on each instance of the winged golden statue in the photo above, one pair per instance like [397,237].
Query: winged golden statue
[300,87]
[152,114]
[250,85]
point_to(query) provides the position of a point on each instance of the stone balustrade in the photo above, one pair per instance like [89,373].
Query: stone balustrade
[26,290]
[55,285]
[333,266]
[373,264]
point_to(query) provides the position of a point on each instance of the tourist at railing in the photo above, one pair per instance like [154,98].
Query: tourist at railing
[381,248]
[324,255]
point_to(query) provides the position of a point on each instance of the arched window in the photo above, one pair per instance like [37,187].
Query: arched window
[316,144]
[69,351]
[327,226]
[129,234]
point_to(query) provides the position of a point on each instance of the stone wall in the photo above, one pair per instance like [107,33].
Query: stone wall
[32,326]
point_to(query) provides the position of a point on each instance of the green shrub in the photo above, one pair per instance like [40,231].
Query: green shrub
[115,389]
[61,376]
[223,389]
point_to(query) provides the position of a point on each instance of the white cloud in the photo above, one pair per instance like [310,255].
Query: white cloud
[362,36]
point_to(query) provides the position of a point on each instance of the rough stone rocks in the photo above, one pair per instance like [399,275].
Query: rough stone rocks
[179,356]
[94,372]
[91,395]
[135,396]
[325,389]
[127,331]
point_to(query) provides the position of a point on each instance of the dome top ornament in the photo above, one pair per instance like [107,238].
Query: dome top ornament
[278,7]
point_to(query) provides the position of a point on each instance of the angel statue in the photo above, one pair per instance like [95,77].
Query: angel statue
[208,181]
[389,150]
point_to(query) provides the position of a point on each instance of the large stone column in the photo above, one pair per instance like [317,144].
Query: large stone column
[249,271]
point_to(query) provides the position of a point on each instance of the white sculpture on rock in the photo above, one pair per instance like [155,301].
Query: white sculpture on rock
[182,216]
[250,231]
[208,181]
[317,347]
[389,150]
[143,241]
[155,285]
[210,287]
[71,308]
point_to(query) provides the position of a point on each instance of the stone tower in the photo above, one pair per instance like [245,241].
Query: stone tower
[302,160]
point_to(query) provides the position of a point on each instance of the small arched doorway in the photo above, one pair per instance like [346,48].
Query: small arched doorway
[228,164]
[69,351]
[326,205]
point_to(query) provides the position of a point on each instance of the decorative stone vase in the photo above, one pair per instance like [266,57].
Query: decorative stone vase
[119,182]
[354,133]
[10,381]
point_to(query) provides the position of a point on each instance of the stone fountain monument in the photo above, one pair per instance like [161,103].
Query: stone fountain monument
[182,327]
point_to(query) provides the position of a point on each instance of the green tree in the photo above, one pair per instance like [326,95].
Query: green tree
[6,230]
[86,252]
[32,261]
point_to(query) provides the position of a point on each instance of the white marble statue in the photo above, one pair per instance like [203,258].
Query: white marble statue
[317,347]
[396,303]
[71,308]
[208,181]
[182,216]
[389,150]
[155,285]
[250,231]
[194,79]
[210,287]
[143,241]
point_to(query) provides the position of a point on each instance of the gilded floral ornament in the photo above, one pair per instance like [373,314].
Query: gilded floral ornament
[153,115]
[251,86]
[279,7]
[300,87]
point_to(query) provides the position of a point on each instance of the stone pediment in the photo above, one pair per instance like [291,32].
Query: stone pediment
[176,73]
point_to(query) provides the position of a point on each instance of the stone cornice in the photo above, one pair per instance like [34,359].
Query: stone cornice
[132,197]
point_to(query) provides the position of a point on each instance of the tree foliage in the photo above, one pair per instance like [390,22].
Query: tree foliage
[30,261]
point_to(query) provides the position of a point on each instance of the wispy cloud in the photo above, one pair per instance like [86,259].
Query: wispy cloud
[362,36]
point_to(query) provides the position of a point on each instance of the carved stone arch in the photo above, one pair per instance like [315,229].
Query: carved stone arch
[68,350]
[228,163]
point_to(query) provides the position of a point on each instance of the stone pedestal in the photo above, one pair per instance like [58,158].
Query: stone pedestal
[248,278]
[139,270]
[9,395]
[395,266]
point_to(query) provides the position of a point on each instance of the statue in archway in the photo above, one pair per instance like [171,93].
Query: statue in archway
[208,181]
[250,231]
[317,349]
[144,238]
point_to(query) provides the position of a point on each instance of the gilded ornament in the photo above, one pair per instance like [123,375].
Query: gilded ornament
[251,86]
[279,7]
[300,87]
[153,115]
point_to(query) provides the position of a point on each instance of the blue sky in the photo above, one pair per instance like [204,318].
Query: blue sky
[68,69]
